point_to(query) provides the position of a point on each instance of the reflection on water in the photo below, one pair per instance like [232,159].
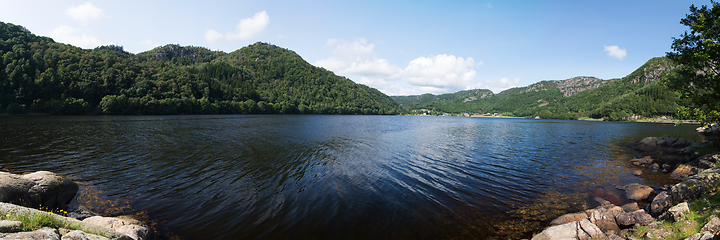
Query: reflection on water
[330,177]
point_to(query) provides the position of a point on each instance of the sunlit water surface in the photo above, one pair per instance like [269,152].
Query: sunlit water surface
[324,177]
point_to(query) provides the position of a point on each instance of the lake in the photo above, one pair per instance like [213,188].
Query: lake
[332,177]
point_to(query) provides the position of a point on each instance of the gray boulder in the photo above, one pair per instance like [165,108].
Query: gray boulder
[630,207]
[701,236]
[7,226]
[713,226]
[660,203]
[632,218]
[679,212]
[40,189]
[45,233]
[583,229]
[604,218]
[80,235]
[128,226]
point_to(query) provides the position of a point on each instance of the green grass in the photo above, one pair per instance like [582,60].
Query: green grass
[32,221]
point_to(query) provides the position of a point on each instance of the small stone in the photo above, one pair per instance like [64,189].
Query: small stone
[637,172]
[658,233]
[655,167]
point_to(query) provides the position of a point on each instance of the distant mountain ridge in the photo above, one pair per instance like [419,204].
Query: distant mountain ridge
[42,76]
[638,94]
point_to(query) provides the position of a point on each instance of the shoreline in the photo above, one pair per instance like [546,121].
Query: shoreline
[670,212]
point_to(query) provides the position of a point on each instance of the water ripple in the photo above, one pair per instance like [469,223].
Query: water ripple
[328,177]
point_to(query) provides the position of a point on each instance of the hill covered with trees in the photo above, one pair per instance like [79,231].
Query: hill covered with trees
[641,93]
[40,75]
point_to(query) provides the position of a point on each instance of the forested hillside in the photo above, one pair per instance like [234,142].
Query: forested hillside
[42,76]
[640,93]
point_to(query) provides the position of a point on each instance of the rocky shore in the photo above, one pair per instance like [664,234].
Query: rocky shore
[687,210]
[36,206]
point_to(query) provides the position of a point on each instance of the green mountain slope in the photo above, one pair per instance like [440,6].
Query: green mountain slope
[639,93]
[42,76]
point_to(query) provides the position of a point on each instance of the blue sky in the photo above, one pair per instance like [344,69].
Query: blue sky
[398,47]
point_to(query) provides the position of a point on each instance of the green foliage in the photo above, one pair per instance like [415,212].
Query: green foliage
[698,52]
[640,93]
[39,75]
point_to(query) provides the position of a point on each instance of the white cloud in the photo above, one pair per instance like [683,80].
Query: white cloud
[213,36]
[435,74]
[356,58]
[150,44]
[616,52]
[85,12]
[69,35]
[246,29]
[441,71]
[496,86]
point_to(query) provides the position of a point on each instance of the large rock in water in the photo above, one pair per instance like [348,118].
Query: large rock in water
[40,189]
[666,148]
[635,191]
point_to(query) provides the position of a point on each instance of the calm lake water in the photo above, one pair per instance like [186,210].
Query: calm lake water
[324,177]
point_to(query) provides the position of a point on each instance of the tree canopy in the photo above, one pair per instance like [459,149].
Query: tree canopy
[698,53]
[41,76]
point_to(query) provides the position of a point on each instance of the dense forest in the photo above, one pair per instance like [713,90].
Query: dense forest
[42,76]
[641,93]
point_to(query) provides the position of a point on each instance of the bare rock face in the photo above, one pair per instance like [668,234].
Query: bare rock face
[40,189]
[130,227]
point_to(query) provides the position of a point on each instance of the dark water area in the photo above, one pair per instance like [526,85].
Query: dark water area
[328,177]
